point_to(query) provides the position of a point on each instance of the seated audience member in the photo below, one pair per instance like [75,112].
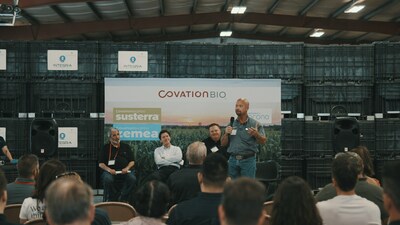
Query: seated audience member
[69,203]
[151,202]
[203,209]
[363,189]
[294,204]
[242,203]
[3,199]
[347,207]
[368,171]
[33,207]
[24,185]
[117,157]
[4,150]
[213,142]
[391,190]
[168,157]
[101,216]
[183,183]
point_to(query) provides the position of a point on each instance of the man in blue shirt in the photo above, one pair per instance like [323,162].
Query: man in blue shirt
[243,135]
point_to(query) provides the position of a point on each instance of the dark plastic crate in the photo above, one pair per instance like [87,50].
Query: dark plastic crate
[17,60]
[85,168]
[356,99]
[367,135]
[379,164]
[89,139]
[339,64]
[65,99]
[17,135]
[319,172]
[387,97]
[318,138]
[200,61]
[270,61]
[87,60]
[292,167]
[12,98]
[292,131]
[388,137]
[291,98]
[108,60]
[387,61]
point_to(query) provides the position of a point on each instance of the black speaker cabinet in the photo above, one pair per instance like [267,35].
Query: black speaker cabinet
[44,138]
[346,134]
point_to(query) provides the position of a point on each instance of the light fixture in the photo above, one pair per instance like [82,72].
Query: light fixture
[355,8]
[317,33]
[227,33]
[238,9]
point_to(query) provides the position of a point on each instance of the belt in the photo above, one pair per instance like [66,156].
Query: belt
[240,156]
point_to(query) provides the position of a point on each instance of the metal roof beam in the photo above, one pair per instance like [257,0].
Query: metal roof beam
[273,6]
[308,7]
[50,31]
[378,10]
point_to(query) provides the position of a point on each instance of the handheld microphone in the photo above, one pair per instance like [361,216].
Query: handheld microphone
[232,119]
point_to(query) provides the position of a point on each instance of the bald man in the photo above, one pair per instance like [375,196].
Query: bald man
[243,136]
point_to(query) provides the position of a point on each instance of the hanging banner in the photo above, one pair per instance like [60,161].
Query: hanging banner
[62,59]
[140,106]
[3,132]
[3,59]
[132,61]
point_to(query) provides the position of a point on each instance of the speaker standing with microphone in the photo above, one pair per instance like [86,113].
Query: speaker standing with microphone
[243,136]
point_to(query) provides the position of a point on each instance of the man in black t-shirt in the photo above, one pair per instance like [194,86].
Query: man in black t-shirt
[117,162]
[213,142]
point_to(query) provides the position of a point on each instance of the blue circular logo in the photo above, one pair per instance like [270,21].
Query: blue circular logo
[62,58]
[62,136]
[133,59]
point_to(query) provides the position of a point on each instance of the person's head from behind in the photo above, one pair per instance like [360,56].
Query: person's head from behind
[391,189]
[196,153]
[3,190]
[242,202]
[28,166]
[47,173]
[294,204]
[214,131]
[151,200]
[68,201]
[368,168]
[214,172]
[346,167]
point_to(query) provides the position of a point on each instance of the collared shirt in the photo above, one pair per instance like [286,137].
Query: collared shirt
[19,190]
[171,156]
[242,141]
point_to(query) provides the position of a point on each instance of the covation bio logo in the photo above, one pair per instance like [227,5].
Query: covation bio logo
[191,94]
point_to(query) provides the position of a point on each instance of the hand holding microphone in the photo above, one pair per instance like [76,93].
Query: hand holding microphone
[229,128]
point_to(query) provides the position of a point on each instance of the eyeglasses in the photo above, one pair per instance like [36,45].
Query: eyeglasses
[347,153]
[67,174]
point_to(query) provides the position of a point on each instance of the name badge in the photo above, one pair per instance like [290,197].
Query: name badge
[214,149]
[111,162]
[233,132]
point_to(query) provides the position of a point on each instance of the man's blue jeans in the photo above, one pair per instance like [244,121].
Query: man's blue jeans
[118,187]
[243,167]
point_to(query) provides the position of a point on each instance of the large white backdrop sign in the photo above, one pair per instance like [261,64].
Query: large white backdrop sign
[140,106]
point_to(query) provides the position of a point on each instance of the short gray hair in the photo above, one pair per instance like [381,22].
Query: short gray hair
[68,201]
[196,153]
[109,132]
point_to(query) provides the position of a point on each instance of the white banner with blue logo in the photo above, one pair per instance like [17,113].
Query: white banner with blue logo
[3,59]
[132,61]
[67,137]
[62,59]
[3,132]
